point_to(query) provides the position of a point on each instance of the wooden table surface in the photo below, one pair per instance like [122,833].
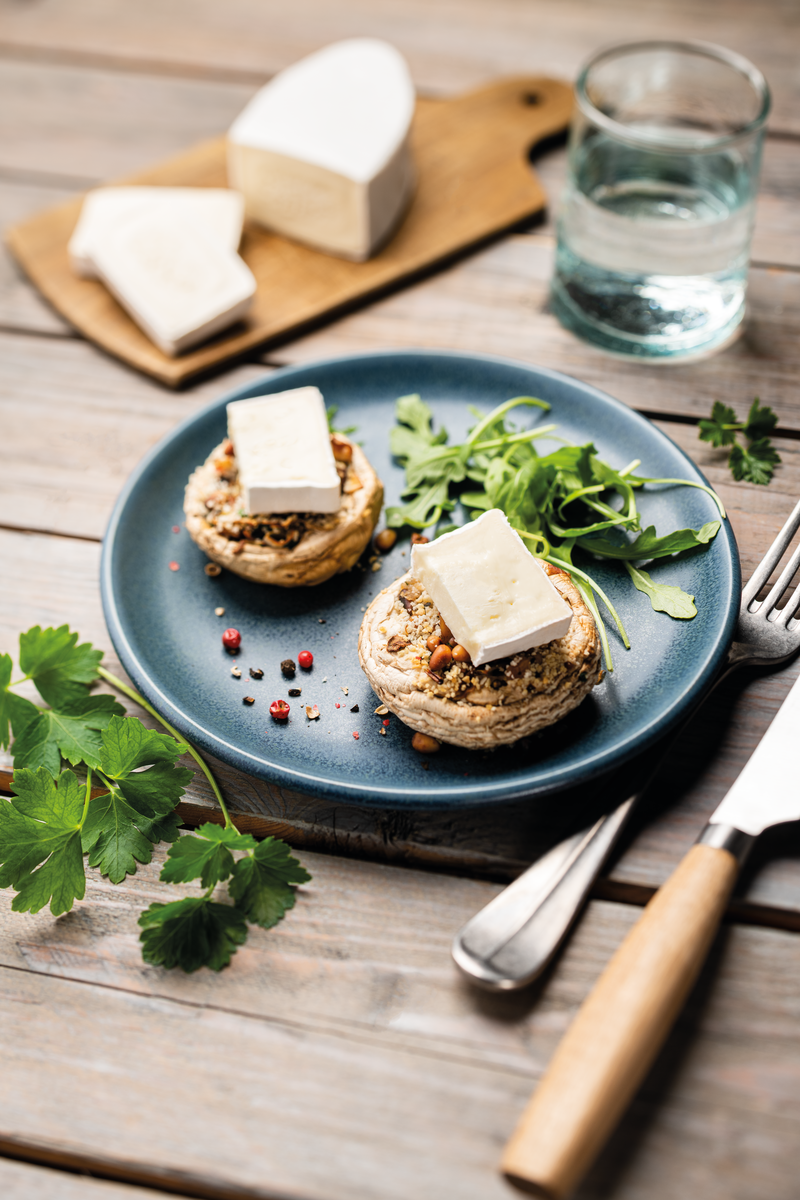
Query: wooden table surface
[340,1056]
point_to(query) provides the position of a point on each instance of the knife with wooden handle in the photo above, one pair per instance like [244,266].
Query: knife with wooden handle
[615,1038]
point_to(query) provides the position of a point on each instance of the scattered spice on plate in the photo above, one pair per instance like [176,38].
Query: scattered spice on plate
[295,691]
[322,621]
[386,722]
[231,639]
[219,612]
[279,710]
[312,712]
[356,735]
[236,672]
[173,566]
[176,528]
[248,700]
[256,673]
[338,705]
[354,708]
[346,691]
[212,570]
[381,710]
[383,732]
[288,667]
[305,659]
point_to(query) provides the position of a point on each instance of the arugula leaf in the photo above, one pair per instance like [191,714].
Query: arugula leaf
[41,824]
[663,597]
[330,413]
[58,667]
[756,464]
[205,855]
[191,933]
[260,884]
[15,711]
[760,421]
[73,732]
[648,545]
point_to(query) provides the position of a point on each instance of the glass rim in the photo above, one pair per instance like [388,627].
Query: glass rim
[730,58]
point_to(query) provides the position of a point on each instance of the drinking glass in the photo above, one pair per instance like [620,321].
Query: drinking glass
[657,215]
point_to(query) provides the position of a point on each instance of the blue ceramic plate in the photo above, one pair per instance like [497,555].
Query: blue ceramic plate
[163,625]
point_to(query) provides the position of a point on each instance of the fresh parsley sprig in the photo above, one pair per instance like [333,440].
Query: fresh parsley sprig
[55,824]
[559,502]
[755,462]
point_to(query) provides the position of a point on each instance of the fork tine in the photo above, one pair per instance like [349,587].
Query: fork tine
[779,587]
[771,559]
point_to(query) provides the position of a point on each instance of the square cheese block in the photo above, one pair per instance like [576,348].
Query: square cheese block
[283,451]
[491,591]
[322,152]
[219,211]
[179,285]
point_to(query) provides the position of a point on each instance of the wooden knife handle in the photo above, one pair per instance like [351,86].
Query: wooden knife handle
[613,1041]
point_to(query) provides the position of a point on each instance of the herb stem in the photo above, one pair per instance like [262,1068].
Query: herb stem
[88,795]
[187,746]
[501,410]
[687,483]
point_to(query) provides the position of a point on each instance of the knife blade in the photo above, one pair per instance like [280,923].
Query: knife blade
[616,1036]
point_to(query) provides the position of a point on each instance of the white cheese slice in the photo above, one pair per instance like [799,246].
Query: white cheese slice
[283,451]
[219,211]
[178,284]
[491,591]
[322,152]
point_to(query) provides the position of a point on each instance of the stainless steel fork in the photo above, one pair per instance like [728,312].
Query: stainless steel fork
[511,941]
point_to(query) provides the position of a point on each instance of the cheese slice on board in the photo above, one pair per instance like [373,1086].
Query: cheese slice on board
[179,285]
[491,591]
[283,451]
[322,152]
[219,211]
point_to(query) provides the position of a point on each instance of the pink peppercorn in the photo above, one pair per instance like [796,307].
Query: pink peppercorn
[305,658]
[231,639]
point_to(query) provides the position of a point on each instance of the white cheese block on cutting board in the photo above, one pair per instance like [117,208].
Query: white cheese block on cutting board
[179,285]
[322,152]
[491,591]
[283,452]
[218,211]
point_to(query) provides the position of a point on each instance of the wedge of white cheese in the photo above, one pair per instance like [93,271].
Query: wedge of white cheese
[491,591]
[283,451]
[179,285]
[218,211]
[322,152]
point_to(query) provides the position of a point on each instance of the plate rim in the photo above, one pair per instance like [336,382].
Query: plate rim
[453,796]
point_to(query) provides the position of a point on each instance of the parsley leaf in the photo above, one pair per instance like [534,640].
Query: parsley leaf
[721,429]
[58,667]
[15,711]
[41,824]
[760,421]
[73,732]
[116,835]
[664,597]
[123,824]
[191,933]
[260,884]
[205,855]
[128,744]
[756,463]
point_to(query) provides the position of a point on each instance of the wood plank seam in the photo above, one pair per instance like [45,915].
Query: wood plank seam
[171,1182]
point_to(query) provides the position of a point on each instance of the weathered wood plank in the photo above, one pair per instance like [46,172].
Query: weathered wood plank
[497,302]
[56,581]
[21,306]
[82,417]
[448,47]
[352,997]
[23,1181]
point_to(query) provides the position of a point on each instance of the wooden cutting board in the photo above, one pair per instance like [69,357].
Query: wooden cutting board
[474,181]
